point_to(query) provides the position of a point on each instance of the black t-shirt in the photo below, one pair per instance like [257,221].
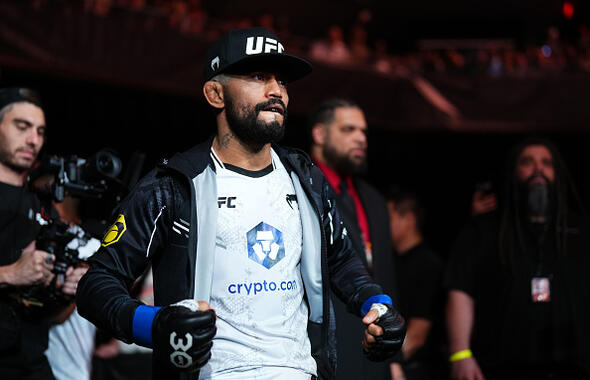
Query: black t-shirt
[418,274]
[23,342]
[510,330]
[18,221]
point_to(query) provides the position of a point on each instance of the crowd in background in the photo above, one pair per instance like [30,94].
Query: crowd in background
[352,45]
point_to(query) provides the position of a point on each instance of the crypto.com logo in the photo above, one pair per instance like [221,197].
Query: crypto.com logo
[265,245]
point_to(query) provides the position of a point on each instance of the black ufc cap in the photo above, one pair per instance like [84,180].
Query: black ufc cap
[243,50]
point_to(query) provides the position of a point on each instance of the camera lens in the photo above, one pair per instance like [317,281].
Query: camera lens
[107,164]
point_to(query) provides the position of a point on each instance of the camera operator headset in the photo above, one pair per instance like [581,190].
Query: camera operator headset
[23,339]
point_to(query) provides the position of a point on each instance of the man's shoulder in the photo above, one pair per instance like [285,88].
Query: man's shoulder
[191,162]
[293,156]
[299,161]
[367,188]
[370,195]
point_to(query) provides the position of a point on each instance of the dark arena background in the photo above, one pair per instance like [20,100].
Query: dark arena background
[448,87]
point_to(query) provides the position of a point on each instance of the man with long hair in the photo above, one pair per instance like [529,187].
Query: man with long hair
[517,306]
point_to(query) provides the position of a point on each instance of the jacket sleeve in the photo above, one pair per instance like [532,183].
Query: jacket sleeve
[349,278]
[139,231]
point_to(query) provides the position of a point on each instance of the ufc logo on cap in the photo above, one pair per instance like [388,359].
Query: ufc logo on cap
[262,43]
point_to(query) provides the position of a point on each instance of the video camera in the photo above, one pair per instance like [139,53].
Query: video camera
[78,177]
[53,179]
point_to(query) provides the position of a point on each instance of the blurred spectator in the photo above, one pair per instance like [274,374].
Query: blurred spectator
[360,52]
[456,59]
[496,68]
[383,63]
[178,14]
[517,279]
[137,5]
[333,49]
[195,20]
[418,274]
[339,148]
[433,62]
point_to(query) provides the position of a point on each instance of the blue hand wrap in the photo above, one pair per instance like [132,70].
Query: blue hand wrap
[380,298]
[142,324]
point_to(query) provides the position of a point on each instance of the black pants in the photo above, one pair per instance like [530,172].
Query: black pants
[563,374]
[19,370]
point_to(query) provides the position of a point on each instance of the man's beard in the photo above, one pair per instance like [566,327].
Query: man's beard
[342,164]
[537,199]
[249,130]
[6,159]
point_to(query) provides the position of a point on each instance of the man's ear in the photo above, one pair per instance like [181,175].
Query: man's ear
[213,92]
[318,133]
[390,207]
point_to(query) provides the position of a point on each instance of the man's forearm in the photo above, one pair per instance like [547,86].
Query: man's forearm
[105,301]
[418,329]
[460,315]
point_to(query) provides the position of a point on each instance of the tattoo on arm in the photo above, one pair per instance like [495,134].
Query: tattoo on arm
[225,139]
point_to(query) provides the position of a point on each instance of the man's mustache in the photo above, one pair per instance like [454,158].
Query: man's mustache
[26,149]
[535,176]
[261,106]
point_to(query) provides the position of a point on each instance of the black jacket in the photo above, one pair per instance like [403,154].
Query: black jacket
[181,264]
[349,329]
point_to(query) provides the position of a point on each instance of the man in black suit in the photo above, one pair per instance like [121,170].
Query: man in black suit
[339,148]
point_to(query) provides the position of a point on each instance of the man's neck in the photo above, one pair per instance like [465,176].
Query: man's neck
[11,177]
[231,150]
[408,243]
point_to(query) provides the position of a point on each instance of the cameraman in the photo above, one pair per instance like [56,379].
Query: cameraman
[23,340]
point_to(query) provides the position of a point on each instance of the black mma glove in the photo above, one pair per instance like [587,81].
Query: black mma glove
[394,332]
[182,335]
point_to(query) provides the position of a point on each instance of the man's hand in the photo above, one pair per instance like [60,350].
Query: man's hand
[32,268]
[183,335]
[466,369]
[384,335]
[483,202]
[107,350]
[73,275]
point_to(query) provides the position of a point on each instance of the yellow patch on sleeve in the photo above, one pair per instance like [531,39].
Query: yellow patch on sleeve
[115,232]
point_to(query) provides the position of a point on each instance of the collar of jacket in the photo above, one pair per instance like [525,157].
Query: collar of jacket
[193,161]
[196,165]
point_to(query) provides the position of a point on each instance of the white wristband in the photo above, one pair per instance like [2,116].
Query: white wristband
[381,308]
[191,304]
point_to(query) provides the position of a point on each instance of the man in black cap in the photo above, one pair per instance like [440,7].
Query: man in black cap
[23,339]
[244,241]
